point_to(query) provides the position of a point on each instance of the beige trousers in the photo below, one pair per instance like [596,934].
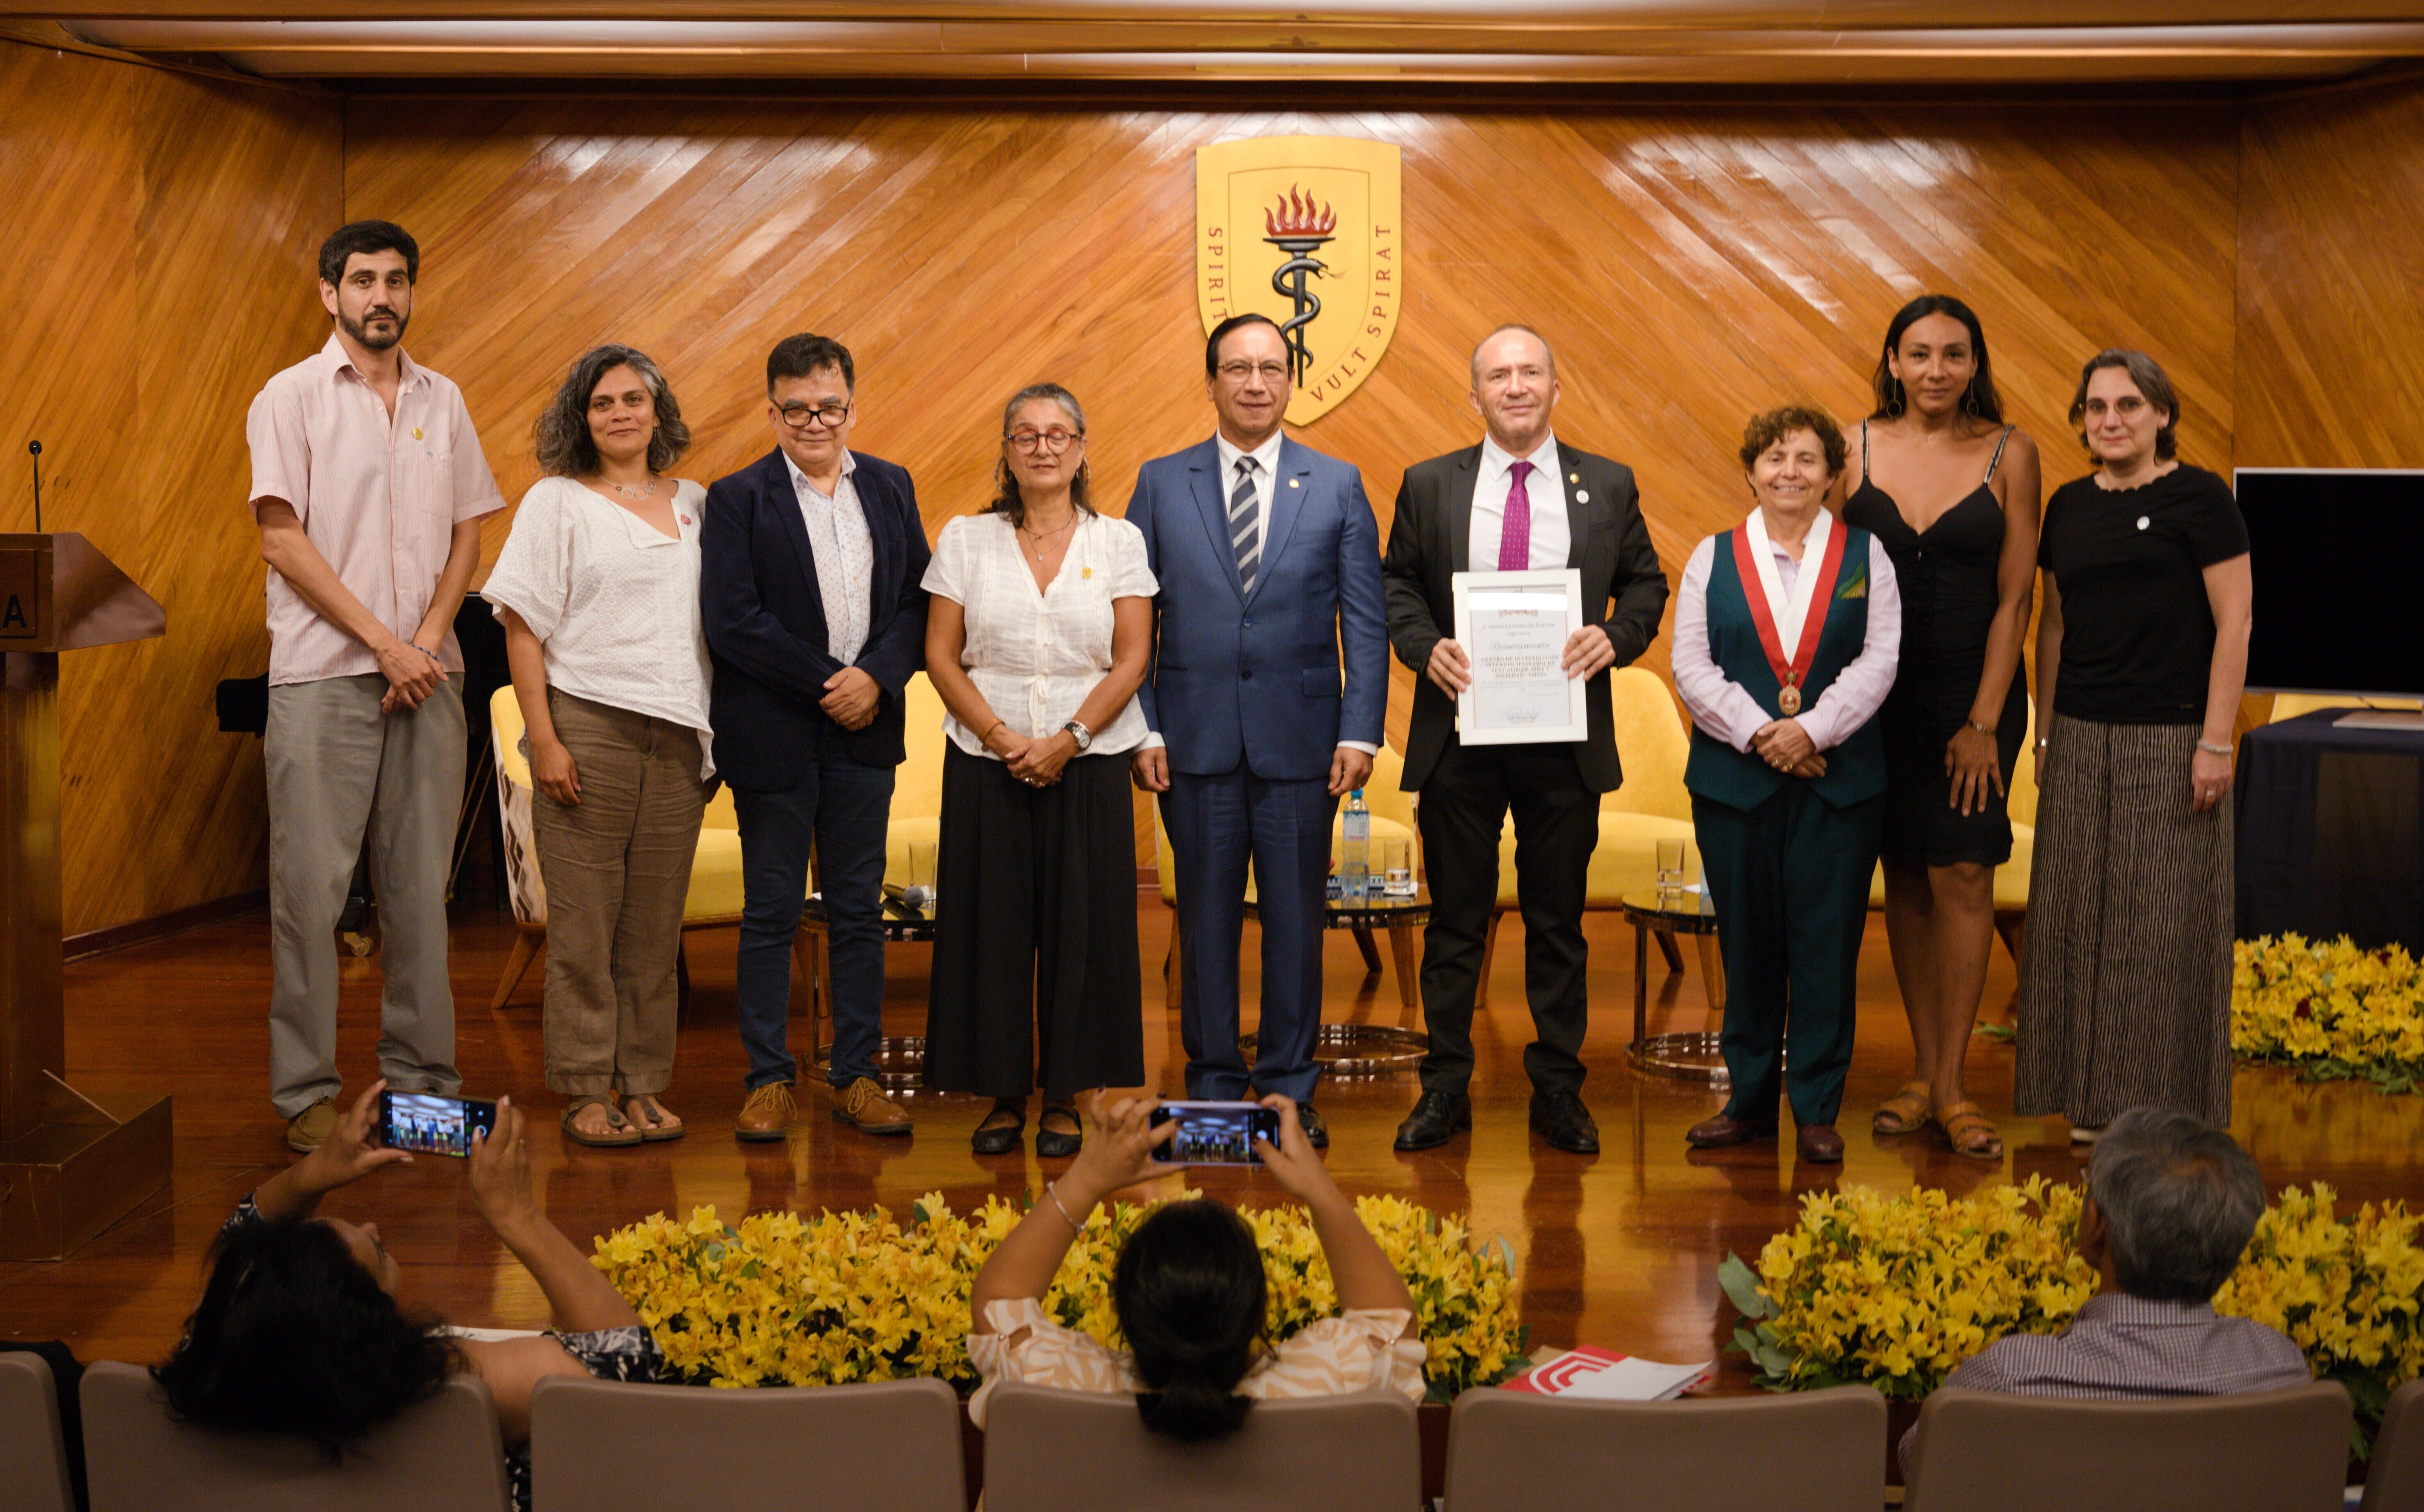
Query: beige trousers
[616,866]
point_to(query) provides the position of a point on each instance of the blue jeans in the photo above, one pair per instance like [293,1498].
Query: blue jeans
[844,808]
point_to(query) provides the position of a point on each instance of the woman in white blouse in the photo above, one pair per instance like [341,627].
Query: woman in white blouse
[1787,633]
[597,589]
[1036,638]
[1189,1293]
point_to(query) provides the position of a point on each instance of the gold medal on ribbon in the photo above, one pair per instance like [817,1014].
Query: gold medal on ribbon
[1788,700]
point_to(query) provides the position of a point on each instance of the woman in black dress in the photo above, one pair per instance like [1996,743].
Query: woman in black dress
[1952,492]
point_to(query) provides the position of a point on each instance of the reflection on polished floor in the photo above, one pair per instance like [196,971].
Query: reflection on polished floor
[1620,1250]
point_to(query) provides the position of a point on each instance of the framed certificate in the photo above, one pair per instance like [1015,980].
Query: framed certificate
[1514,628]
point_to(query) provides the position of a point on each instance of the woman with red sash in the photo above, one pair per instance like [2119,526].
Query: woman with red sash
[1786,635]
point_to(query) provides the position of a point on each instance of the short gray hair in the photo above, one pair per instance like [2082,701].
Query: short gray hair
[561,439]
[1546,350]
[2179,1199]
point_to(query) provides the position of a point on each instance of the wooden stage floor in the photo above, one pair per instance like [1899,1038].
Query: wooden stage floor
[1620,1250]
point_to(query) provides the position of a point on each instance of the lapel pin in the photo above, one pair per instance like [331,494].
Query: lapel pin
[2144,522]
[416,433]
[1582,496]
[1292,483]
[1574,477]
[1085,572]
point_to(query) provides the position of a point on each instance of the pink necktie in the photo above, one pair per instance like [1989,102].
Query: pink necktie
[1515,540]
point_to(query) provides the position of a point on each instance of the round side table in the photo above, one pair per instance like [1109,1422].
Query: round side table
[1691,1057]
[1350,1050]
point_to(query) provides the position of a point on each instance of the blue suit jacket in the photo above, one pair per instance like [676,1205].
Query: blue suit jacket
[1258,677]
[765,622]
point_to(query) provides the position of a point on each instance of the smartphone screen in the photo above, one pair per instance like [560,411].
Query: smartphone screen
[430,1123]
[1217,1134]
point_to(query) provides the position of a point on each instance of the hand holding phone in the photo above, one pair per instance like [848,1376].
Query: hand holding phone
[1218,1133]
[433,1123]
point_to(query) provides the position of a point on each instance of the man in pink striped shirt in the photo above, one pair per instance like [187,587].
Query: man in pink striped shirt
[368,485]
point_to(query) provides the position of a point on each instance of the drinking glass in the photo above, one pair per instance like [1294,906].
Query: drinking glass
[1397,867]
[1670,872]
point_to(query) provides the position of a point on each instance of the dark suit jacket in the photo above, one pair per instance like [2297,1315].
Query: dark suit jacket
[765,622]
[1261,678]
[1624,590]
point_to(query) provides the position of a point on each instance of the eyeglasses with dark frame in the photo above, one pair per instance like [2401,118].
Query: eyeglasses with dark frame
[799,417]
[1054,440]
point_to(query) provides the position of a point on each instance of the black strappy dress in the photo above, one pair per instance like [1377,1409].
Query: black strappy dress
[1947,577]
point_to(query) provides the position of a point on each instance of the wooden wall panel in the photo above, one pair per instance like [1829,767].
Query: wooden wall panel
[1692,265]
[160,229]
[2330,294]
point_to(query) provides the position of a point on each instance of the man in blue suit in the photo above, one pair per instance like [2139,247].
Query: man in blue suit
[1269,564]
[810,566]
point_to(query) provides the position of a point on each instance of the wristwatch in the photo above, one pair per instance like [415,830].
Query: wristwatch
[1084,737]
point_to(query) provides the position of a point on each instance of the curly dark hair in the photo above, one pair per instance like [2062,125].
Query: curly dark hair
[561,439]
[294,1336]
[1007,501]
[1190,1297]
[1767,429]
[1980,402]
[368,236]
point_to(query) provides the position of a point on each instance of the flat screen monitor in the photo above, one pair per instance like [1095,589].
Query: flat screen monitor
[2339,598]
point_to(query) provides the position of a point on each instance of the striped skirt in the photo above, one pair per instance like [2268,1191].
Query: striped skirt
[2126,965]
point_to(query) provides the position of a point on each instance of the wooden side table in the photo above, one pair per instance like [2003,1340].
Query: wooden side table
[1693,1056]
[900,1059]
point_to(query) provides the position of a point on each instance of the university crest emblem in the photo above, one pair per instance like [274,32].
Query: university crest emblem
[1305,229]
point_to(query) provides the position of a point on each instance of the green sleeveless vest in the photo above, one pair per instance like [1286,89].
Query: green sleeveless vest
[1856,768]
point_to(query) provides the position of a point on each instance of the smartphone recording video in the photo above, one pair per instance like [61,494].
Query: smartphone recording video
[1217,1134]
[428,1124]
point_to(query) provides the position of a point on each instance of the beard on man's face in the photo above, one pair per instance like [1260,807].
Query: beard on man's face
[376,341]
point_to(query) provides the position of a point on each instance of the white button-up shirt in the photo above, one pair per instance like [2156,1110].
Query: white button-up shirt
[845,556]
[613,599]
[1037,654]
[378,496]
[1727,711]
[1544,488]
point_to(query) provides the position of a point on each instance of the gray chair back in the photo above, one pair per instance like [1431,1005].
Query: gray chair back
[891,1444]
[1054,1450]
[2394,1478]
[33,1453]
[2258,1451]
[1819,1452]
[443,1453]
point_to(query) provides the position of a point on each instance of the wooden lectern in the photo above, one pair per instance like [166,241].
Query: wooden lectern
[70,1163]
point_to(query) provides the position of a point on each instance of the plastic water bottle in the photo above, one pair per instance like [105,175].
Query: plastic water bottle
[1355,852]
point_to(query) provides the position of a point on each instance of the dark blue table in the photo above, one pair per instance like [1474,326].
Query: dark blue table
[2331,831]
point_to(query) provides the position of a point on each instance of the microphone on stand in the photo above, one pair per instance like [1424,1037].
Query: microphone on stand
[34,449]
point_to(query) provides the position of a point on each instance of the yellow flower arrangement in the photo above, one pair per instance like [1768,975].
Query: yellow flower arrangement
[783,1301]
[1894,1290]
[2332,1009]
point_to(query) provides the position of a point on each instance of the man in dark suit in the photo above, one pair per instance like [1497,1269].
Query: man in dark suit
[1268,560]
[810,566]
[1518,501]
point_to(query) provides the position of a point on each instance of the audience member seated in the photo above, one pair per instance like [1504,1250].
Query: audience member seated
[299,1332]
[2171,1204]
[1188,1292]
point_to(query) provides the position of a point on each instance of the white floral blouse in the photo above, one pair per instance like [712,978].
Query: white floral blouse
[1359,1351]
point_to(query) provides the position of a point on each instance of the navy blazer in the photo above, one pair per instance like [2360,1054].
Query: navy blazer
[765,622]
[1257,677]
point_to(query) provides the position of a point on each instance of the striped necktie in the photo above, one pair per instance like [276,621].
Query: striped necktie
[1245,532]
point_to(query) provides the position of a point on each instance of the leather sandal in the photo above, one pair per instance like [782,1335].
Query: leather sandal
[1965,1124]
[623,1132]
[1905,1112]
[655,1124]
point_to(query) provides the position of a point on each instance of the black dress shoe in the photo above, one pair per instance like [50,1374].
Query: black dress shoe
[1002,1139]
[1316,1133]
[1561,1118]
[1437,1118]
[1053,1146]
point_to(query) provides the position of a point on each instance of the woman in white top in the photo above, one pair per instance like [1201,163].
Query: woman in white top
[1036,637]
[597,589]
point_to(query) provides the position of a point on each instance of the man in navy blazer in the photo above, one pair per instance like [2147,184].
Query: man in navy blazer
[809,566]
[1269,564]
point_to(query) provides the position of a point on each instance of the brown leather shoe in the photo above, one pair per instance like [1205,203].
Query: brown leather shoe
[767,1113]
[863,1106]
[1819,1144]
[306,1130]
[1721,1131]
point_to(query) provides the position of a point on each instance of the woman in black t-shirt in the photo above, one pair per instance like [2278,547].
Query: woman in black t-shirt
[2142,654]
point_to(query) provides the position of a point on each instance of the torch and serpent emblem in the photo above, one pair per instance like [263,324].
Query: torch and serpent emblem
[1297,226]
